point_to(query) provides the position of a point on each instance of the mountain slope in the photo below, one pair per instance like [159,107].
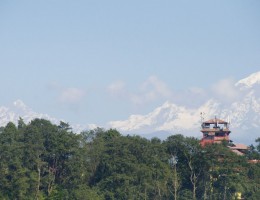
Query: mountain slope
[249,81]
[168,117]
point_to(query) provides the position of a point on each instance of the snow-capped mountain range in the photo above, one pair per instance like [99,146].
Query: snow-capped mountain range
[243,112]
[19,109]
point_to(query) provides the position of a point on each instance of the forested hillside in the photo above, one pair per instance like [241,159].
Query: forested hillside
[41,160]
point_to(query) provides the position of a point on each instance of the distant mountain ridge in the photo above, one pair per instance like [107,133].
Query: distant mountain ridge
[170,118]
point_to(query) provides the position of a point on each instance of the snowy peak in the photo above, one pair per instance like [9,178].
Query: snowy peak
[249,81]
[244,113]
[168,117]
[20,109]
[137,122]
[20,104]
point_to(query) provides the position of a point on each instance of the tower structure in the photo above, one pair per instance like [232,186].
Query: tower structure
[214,131]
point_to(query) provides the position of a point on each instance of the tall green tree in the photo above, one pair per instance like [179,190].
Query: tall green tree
[13,182]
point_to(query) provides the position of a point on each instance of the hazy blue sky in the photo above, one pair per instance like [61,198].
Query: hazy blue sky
[96,61]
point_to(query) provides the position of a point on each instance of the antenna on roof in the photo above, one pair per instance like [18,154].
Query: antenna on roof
[202,117]
[228,120]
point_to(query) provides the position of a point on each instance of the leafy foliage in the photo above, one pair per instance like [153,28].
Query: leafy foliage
[41,160]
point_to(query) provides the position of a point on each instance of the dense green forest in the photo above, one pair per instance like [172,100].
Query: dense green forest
[41,160]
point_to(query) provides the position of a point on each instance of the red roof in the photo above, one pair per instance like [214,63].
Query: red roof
[239,146]
[237,152]
[215,120]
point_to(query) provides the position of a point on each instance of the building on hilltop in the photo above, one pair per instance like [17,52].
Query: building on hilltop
[217,131]
[214,131]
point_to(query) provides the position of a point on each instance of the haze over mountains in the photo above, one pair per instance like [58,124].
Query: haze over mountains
[239,104]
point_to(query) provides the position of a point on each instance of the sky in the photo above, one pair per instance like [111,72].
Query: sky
[97,61]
